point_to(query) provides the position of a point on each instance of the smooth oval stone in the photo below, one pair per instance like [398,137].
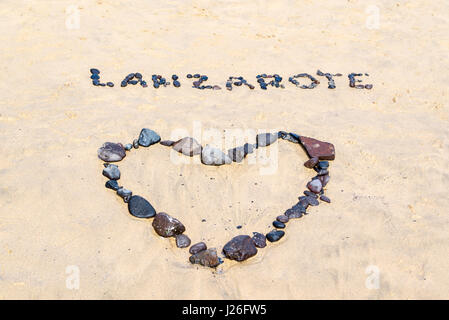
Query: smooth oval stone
[109,84]
[197,247]
[94,71]
[315,186]
[112,184]
[278,224]
[187,146]
[283,218]
[312,162]
[135,144]
[95,76]
[167,143]
[111,152]
[167,226]
[214,156]
[325,199]
[265,139]
[240,248]
[275,235]
[260,241]
[128,146]
[182,241]
[310,194]
[140,207]
[124,193]
[148,137]
[176,83]
[112,172]
[207,258]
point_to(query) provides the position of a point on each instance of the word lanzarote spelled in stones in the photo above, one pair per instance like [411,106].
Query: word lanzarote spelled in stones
[240,247]
[264,81]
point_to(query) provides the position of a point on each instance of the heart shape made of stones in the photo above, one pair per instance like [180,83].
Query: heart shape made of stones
[241,247]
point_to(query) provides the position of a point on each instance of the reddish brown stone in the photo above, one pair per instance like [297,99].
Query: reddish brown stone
[316,148]
[207,258]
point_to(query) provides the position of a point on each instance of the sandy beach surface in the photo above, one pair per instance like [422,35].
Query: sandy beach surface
[385,234]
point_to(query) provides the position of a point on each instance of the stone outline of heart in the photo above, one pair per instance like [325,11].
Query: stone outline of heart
[240,247]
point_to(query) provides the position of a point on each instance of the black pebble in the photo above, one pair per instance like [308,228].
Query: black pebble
[124,83]
[189,76]
[112,184]
[96,82]
[176,83]
[94,71]
[138,75]
[95,76]
[275,235]
[278,224]
[110,84]
[140,208]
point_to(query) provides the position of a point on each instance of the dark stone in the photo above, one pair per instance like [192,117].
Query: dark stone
[109,84]
[283,218]
[207,258]
[239,153]
[112,172]
[148,137]
[310,194]
[112,184]
[187,146]
[167,226]
[260,241]
[295,213]
[322,172]
[313,201]
[325,199]
[278,224]
[111,152]
[125,194]
[182,241]
[197,247]
[323,165]
[140,207]
[176,84]
[315,185]
[95,77]
[275,235]
[136,144]
[240,248]
[312,162]
[316,148]
[128,146]
[94,71]
[167,143]
[214,156]
[265,139]
[239,227]
[303,203]
[324,179]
